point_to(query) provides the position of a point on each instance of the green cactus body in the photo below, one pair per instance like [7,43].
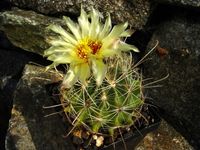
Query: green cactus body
[115,104]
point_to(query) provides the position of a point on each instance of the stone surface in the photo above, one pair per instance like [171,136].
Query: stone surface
[11,64]
[164,138]
[29,129]
[18,136]
[136,12]
[27,29]
[178,55]
[193,3]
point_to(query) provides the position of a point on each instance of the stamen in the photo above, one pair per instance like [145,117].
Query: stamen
[88,47]
[81,53]
[95,46]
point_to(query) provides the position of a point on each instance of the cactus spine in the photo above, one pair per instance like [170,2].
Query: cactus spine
[115,104]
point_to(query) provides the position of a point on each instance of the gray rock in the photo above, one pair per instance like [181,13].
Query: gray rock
[27,29]
[11,64]
[28,128]
[136,12]
[193,3]
[178,55]
[164,138]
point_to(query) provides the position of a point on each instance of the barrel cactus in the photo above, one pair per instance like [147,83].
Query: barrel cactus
[101,92]
[114,105]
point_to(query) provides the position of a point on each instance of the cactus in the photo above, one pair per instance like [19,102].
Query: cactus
[115,104]
[101,91]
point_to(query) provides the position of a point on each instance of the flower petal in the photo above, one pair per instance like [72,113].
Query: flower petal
[60,59]
[65,57]
[95,24]
[122,46]
[114,34]
[71,77]
[65,35]
[73,27]
[99,70]
[53,65]
[56,49]
[108,52]
[58,41]
[84,72]
[84,23]
[127,33]
[106,29]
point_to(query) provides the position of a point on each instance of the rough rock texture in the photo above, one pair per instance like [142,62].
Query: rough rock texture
[18,136]
[136,12]
[164,138]
[193,3]
[29,129]
[178,55]
[27,29]
[11,65]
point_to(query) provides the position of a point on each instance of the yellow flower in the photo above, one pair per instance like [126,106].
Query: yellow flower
[85,48]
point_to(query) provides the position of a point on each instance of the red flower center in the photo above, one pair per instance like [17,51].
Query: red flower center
[95,46]
[89,47]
